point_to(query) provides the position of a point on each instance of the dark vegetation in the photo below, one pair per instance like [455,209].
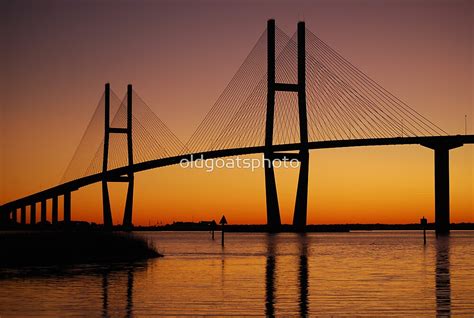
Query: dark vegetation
[19,248]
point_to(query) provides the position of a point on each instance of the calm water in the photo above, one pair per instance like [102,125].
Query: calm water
[340,274]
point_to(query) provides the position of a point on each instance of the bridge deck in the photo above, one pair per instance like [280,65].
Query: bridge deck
[431,142]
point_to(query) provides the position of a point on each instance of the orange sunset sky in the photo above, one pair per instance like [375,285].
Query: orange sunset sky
[180,55]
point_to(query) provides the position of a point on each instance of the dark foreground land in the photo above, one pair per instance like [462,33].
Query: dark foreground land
[19,248]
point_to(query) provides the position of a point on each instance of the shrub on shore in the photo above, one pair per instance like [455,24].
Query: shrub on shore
[71,247]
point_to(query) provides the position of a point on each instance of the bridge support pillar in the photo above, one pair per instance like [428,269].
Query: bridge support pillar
[33,213]
[441,171]
[23,215]
[43,211]
[127,216]
[67,208]
[273,209]
[442,218]
[107,213]
[106,206]
[301,203]
[14,215]
[54,210]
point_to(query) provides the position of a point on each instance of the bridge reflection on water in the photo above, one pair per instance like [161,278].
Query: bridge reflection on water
[443,278]
[128,311]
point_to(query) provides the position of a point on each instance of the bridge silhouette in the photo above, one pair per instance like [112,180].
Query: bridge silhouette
[307,97]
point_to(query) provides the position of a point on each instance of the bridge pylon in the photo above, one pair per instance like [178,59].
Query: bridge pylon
[129,177]
[273,212]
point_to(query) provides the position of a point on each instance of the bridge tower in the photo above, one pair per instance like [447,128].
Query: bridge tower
[129,177]
[273,212]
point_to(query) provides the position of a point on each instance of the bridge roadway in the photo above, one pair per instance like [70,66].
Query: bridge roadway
[432,142]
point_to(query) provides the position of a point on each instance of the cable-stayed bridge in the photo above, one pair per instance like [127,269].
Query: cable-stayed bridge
[290,95]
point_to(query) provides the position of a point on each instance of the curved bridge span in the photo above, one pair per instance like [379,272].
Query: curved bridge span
[438,142]
[446,142]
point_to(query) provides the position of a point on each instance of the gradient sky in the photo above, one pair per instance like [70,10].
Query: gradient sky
[179,55]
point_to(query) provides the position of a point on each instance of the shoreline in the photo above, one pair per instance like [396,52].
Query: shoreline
[312,228]
[80,226]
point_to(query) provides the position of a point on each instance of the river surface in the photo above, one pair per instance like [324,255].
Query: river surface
[256,274]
